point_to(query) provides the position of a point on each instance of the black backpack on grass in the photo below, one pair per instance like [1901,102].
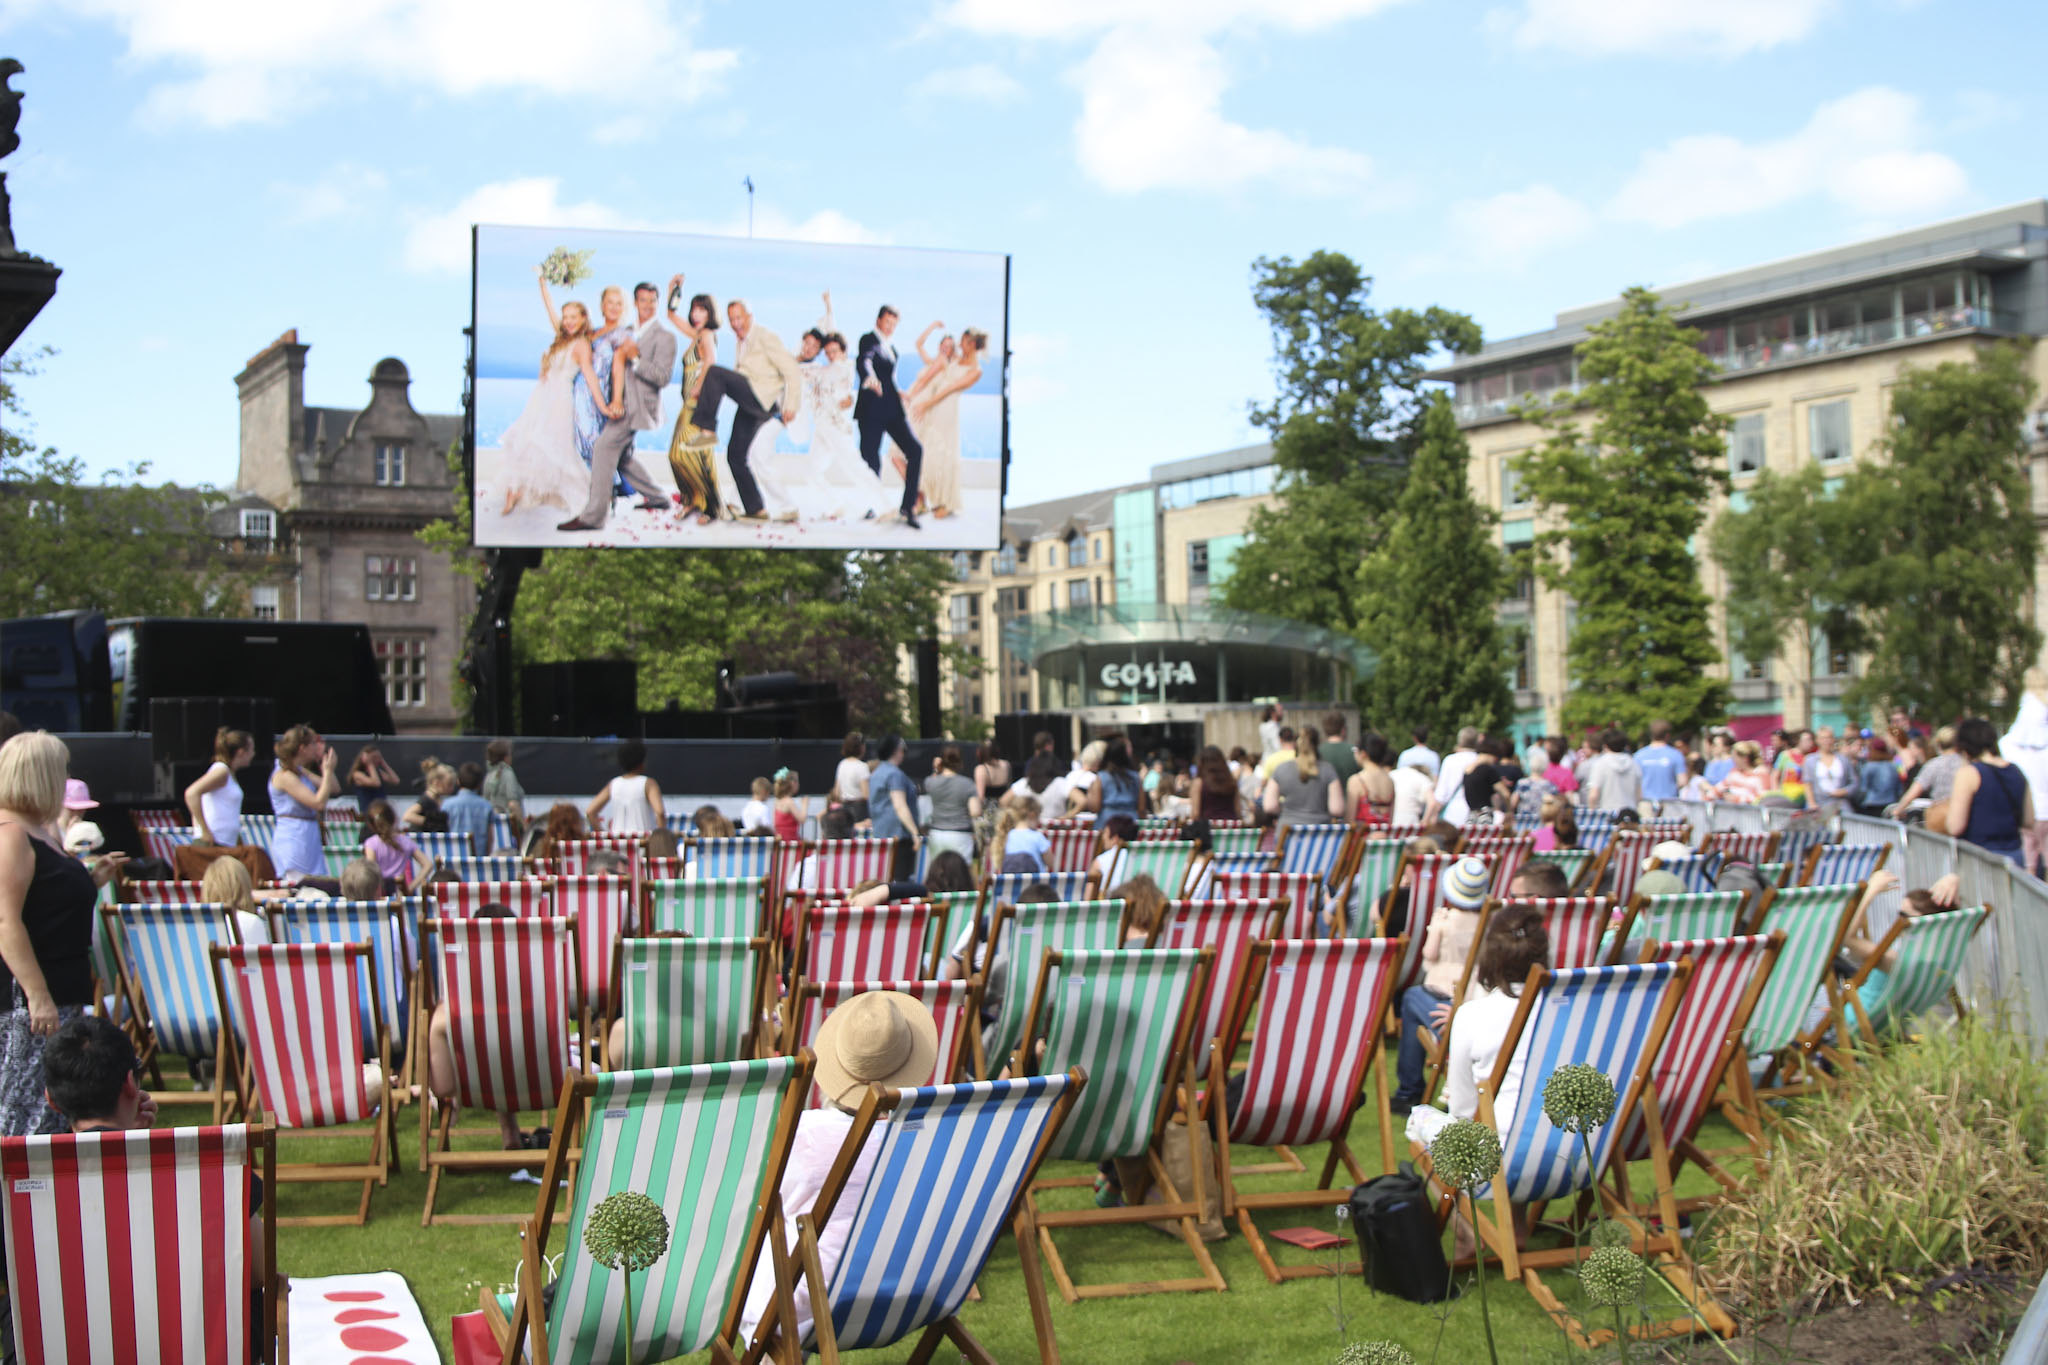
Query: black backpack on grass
[1394,1220]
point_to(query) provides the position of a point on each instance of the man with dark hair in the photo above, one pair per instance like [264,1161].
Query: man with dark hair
[649,355]
[89,1070]
[1611,779]
[467,811]
[1540,879]
[765,384]
[1419,754]
[1336,752]
[878,410]
[1662,766]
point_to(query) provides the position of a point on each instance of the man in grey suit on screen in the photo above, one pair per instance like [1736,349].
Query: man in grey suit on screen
[650,357]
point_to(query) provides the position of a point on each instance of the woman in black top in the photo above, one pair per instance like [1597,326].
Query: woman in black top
[46,910]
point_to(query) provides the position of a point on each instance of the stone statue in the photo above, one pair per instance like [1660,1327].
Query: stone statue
[10,118]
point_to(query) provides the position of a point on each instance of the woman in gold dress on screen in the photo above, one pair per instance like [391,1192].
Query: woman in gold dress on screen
[692,451]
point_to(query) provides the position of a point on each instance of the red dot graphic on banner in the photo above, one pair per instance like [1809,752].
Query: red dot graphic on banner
[355,1296]
[379,1360]
[363,1315]
[371,1338]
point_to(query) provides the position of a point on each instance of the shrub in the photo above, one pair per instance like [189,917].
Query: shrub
[1930,1161]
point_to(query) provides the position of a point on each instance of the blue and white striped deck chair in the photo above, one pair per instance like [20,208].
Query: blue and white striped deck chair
[371,922]
[1594,827]
[734,857]
[1699,872]
[260,829]
[501,832]
[1827,864]
[1528,815]
[1794,844]
[1235,839]
[162,951]
[924,856]
[493,867]
[1240,862]
[1006,887]
[1311,848]
[951,1165]
[444,846]
[1021,935]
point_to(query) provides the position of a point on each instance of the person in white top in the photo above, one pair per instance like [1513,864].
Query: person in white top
[850,779]
[632,798]
[881,1038]
[1419,754]
[1269,729]
[1087,766]
[215,799]
[1448,800]
[1412,788]
[1042,782]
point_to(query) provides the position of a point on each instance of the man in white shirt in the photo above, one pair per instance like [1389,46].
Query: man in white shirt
[765,384]
[1419,754]
[1448,800]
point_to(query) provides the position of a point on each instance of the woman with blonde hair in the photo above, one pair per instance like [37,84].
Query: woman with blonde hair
[1017,836]
[46,917]
[538,454]
[1749,781]
[228,883]
[297,799]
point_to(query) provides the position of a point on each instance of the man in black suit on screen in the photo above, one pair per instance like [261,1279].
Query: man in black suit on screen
[878,411]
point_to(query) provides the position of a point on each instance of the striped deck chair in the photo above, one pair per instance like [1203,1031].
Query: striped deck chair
[706,1143]
[715,907]
[168,980]
[501,832]
[1829,864]
[296,1009]
[843,864]
[1320,1004]
[162,841]
[1931,949]
[339,856]
[688,1001]
[1794,844]
[602,906]
[1594,827]
[137,1288]
[954,915]
[680,822]
[1528,815]
[1425,898]
[863,943]
[1774,874]
[527,898]
[1072,849]
[1620,864]
[1506,853]
[1239,837]
[1575,863]
[1021,935]
[1242,863]
[966,1151]
[955,1007]
[383,988]
[1311,848]
[1743,846]
[1813,920]
[1614,1019]
[259,829]
[1303,892]
[1663,830]
[736,857]
[1166,861]
[1231,927]
[1575,925]
[507,984]
[572,856]
[1007,886]
[657,869]
[1124,1019]
[168,893]
[1700,872]
[1728,976]
[1379,870]
[1157,823]
[494,867]
[444,846]
[1693,915]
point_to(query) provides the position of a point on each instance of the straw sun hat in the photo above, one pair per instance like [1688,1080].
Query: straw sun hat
[881,1038]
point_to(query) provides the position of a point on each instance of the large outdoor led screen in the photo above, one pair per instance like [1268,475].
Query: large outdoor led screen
[639,389]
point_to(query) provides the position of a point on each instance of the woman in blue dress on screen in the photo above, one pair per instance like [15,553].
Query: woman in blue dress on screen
[595,411]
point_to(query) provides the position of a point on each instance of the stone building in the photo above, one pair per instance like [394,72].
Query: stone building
[334,498]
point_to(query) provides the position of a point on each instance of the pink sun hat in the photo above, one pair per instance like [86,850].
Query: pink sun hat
[78,796]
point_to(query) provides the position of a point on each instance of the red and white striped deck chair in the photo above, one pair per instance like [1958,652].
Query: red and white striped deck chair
[527,898]
[507,984]
[134,1247]
[161,831]
[955,1007]
[1425,898]
[843,864]
[572,856]
[1752,846]
[1303,892]
[1662,830]
[1321,1006]
[1231,927]
[605,911]
[297,1010]
[1728,976]
[1575,925]
[1073,850]
[863,943]
[787,860]
[1506,852]
[657,869]
[168,893]
[1621,863]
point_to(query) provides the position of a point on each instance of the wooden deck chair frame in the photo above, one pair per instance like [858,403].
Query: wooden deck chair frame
[752,1044]
[374,1173]
[142,1026]
[804,1259]
[437,1154]
[1179,1081]
[572,1116]
[1366,1028]
[1851,989]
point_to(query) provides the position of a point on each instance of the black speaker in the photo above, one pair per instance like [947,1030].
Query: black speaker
[580,697]
[1016,729]
[929,725]
[57,668]
[181,729]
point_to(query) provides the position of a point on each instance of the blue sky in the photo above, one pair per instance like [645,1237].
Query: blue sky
[211,173]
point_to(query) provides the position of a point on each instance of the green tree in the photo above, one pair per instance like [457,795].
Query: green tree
[1427,596]
[1629,477]
[1342,422]
[120,545]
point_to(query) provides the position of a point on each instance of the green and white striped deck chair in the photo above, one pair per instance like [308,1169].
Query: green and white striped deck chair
[1813,920]
[1166,861]
[339,856]
[715,907]
[708,1144]
[688,1001]
[1235,839]
[1931,949]
[1021,934]
[1573,862]
[953,914]
[1681,915]
[1126,1020]
[1378,864]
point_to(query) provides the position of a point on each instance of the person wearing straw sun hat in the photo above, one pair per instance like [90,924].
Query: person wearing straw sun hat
[883,1038]
[1445,950]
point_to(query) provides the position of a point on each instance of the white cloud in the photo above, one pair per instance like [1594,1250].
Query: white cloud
[344,190]
[982,82]
[1865,151]
[1152,90]
[1605,28]
[238,61]
[1506,231]
[439,242]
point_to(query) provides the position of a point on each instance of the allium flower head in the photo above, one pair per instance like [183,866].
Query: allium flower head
[1578,1098]
[1612,1276]
[1465,1154]
[627,1231]
[1374,1353]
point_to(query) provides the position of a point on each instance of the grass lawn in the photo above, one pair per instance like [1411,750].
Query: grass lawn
[1253,1321]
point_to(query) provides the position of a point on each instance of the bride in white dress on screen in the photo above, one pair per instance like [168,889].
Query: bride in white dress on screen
[537,458]
[846,486]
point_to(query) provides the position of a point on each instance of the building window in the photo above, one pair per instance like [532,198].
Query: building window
[1746,445]
[258,524]
[963,613]
[390,578]
[1827,430]
[1511,494]
[1198,563]
[1052,556]
[1023,701]
[1077,593]
[263,602]
[1006,559]
[1235,483]
[1525,659]
[390,466]
[403,662]
[1077,552]
[1098,549]
[974,704]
